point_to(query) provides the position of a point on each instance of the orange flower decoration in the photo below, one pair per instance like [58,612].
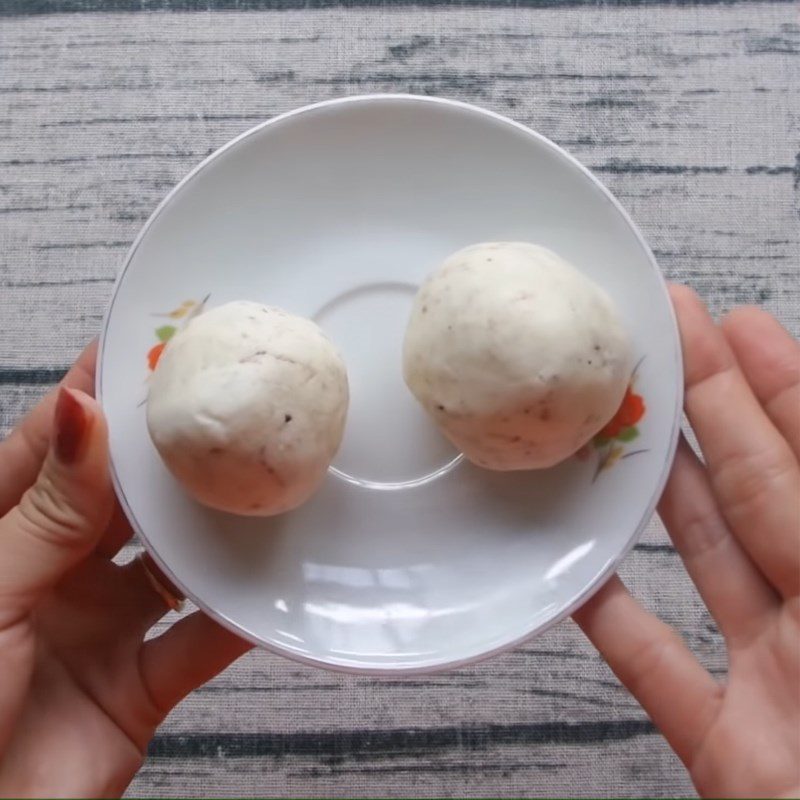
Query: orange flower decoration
[629,413]
[184,312]
[155,354]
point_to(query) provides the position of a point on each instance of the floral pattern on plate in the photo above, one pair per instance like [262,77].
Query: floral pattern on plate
[611,444]
[179,317]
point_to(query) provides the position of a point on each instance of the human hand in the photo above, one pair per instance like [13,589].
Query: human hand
[81,692]
[735,521]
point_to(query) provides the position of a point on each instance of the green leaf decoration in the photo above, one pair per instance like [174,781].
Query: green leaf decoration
[166,332]
[601,441]
[628,434]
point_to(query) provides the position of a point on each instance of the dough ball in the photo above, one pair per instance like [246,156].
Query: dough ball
[518,357]
[247,408]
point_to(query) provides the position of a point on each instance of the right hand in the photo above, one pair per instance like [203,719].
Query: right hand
[735,521]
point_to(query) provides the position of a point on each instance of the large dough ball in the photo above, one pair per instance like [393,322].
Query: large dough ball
[247,408]
[518,357]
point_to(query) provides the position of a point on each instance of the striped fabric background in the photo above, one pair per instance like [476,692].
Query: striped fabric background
[688,111]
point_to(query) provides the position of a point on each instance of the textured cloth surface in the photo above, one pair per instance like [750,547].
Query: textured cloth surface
[689,113]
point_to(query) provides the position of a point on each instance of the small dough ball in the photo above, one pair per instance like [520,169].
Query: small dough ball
[518,357]
[247,408]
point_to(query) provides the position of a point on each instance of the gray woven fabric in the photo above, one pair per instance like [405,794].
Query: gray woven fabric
[690,115]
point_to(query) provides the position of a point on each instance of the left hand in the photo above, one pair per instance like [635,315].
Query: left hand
[81,692]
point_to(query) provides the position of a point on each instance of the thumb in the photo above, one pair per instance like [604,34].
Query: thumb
[61,517]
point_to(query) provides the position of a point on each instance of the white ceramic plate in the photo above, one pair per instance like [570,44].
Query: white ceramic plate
[408,558]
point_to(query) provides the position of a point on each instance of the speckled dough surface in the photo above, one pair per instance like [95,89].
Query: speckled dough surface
[518,357]
[247,408]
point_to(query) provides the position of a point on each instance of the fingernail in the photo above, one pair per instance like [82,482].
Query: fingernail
[71,426]
[170,593]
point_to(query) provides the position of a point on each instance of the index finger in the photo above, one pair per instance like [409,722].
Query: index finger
[23,451]
[770,359]
[754,474]
[186,656]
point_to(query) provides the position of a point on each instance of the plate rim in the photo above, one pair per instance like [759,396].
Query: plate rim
[430,665]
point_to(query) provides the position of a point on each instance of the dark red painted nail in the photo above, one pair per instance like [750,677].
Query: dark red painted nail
[71,427]
[160,578]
